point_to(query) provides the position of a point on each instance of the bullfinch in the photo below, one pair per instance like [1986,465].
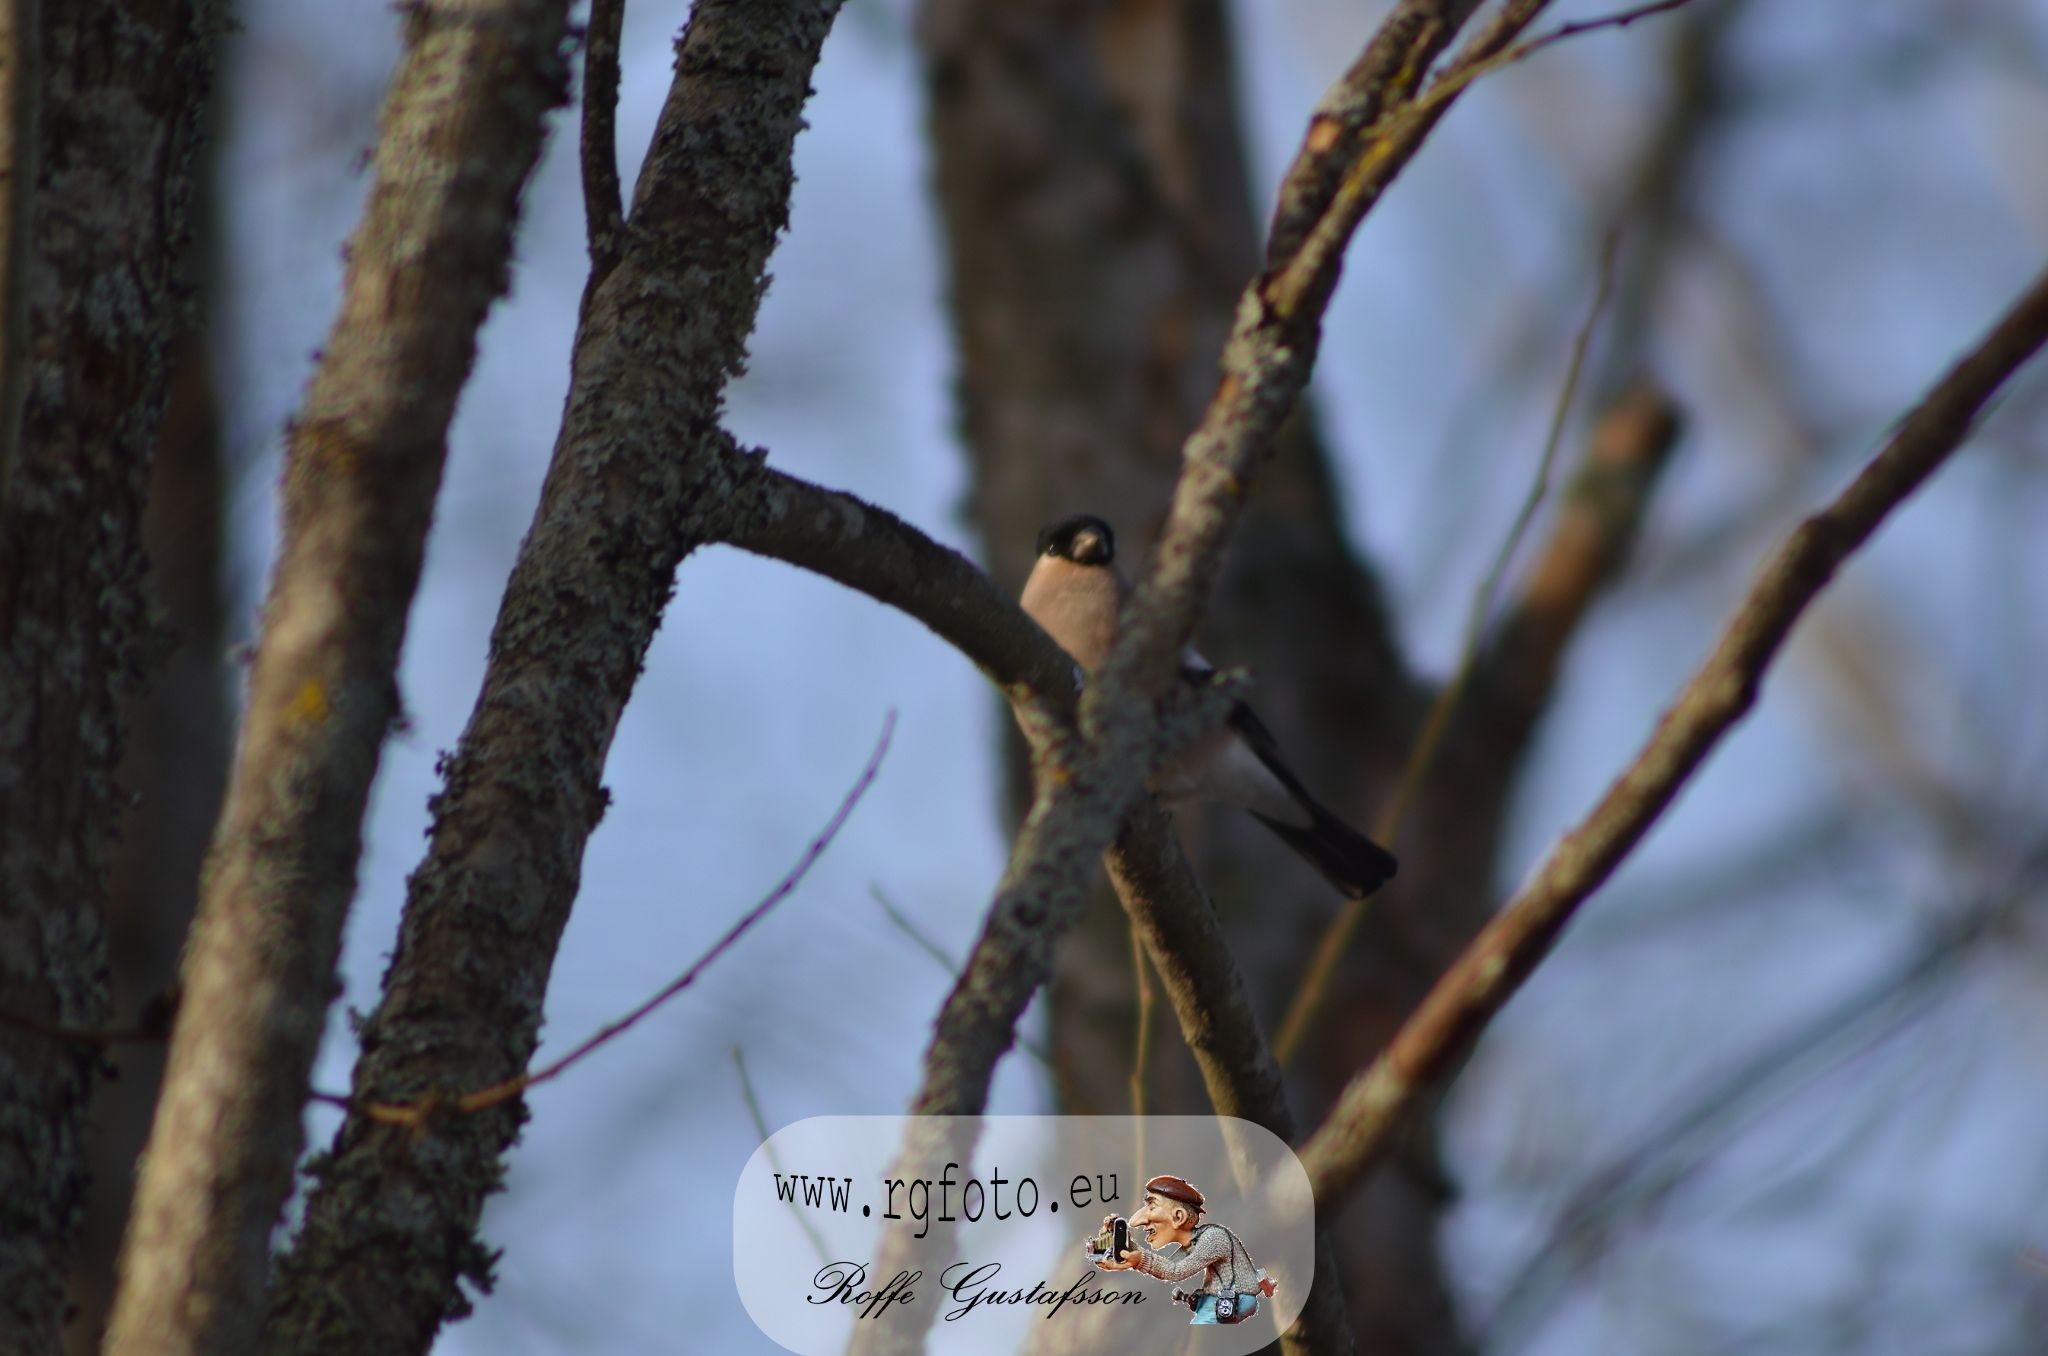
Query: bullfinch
[1076,592]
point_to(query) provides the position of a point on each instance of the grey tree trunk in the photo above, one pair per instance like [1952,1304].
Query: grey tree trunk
[121,86]
[1099,229]
[175,765]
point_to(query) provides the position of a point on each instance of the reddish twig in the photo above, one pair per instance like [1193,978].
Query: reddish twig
[415,1114]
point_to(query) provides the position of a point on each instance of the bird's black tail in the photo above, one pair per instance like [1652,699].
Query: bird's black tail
[1347,858]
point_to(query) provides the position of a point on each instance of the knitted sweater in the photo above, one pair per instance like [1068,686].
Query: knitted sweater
[1207,1255]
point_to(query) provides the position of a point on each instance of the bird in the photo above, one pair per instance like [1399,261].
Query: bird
[1076,592]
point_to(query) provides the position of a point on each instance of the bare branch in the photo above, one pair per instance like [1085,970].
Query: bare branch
[1265,367]
[760,1122]
[20,93]
[637,479]
[1379,1100]
[1688,1132]
[1386,74]
[871,550]
[1587,546]
[1390,140]
[603,213]
[1172,915]
[1422,753]
[462,128]
[1175,919]
[415,1115]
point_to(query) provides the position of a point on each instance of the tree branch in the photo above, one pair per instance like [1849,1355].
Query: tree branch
[1266,365]
[462,129]
[415,1115]
[1075,814]
[1386,74]
[603,214]
[872,551]
[1378,1101]
[1336,937]
[638,480]
[20,93]
[92,298]
[1173,916]
[1685,1135]
[1589,542]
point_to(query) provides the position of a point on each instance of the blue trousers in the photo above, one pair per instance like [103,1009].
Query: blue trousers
[1205,1309]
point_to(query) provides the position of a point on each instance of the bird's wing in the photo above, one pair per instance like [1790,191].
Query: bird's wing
[1256,737]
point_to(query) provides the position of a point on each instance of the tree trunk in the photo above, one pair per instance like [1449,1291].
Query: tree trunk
[122,83]
[1099,229]
[176,765]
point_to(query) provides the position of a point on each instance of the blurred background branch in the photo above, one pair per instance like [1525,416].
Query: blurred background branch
[1724,690]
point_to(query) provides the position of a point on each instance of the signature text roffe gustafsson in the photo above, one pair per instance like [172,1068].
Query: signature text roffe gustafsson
[971,1285]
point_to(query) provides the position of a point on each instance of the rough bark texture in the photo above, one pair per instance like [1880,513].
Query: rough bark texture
[121,89]
[1184,941]
[639,471]
[21,95]
[176,766]
[461,131]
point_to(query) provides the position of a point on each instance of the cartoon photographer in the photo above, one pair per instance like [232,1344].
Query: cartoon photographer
[1229,1284]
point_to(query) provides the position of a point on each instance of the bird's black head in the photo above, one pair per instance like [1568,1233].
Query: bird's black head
[1084,539]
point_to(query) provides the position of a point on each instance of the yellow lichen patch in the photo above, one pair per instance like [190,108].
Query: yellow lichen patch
[309,704]
[320,447]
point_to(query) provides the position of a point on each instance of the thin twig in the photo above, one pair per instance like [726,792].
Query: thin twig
[20,101]
[603,212]
[414,1114]
[1337,935]
[1539,489]
[1661,1156]
[803,1218]
[1378,1101]
[1141,1043]
[1184,941]
[909,928]
[1390,140]
[1464,72]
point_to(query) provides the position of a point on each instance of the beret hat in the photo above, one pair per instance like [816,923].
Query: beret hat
[1174,1189]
